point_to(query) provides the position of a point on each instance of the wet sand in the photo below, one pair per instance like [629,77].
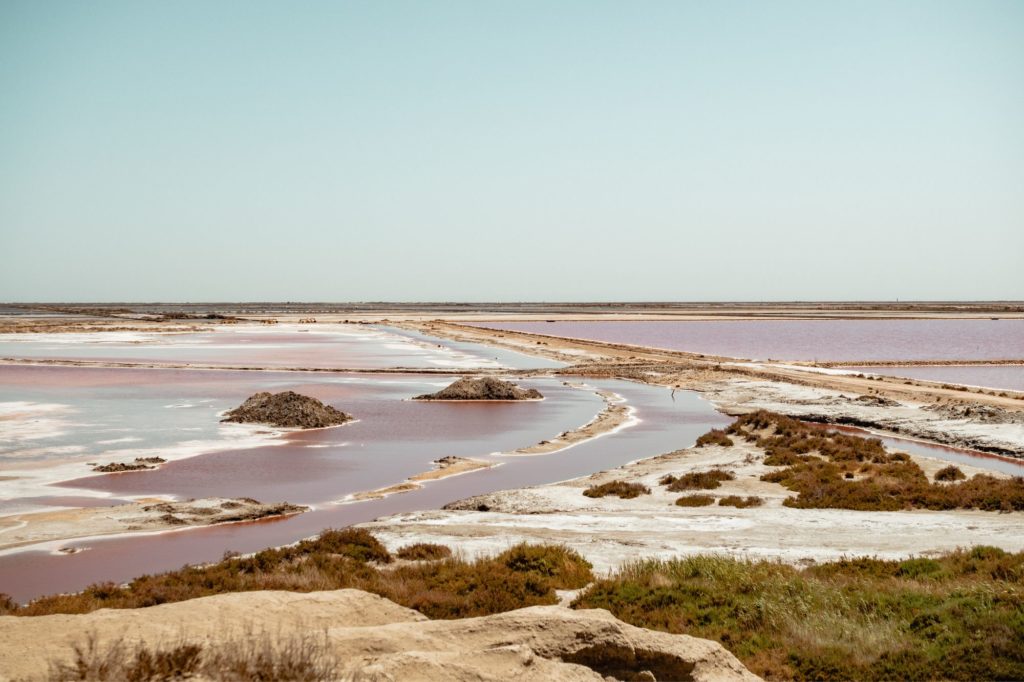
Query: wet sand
[446,468]
[148,515]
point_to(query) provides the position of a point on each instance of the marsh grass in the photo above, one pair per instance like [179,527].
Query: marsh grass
[828,469]
[960,616]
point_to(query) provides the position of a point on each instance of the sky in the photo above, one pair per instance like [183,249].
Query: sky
[499,151]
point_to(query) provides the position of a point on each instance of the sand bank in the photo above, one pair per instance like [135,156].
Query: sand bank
[615,416]
[22,531]
[445,468]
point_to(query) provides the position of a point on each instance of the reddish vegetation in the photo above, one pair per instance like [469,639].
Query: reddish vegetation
[818,464]
[620,489]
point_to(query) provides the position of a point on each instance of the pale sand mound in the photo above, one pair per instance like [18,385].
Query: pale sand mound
[374,638]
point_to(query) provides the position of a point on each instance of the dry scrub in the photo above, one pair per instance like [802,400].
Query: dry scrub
[621,489]
[828,469]
[696,480]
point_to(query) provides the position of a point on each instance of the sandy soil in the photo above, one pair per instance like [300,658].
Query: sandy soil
[445,468]
[144,516]
[610,531]
[372,638]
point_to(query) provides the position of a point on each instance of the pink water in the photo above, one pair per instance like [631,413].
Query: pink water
[1007,377]
[805,339]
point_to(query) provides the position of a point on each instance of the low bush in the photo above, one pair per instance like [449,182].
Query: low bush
[695,500]
[740,502]
[953,617]
[620,489]
[714,437]
[699,480]
[950,473]
[423,551]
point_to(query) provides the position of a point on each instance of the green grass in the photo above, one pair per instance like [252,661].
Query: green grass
[960,616]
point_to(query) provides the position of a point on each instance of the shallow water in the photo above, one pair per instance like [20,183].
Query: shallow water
[324,346]
[666,424]
[1004,377]
[805,339]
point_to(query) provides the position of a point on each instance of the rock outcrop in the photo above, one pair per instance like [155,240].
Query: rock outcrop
[287,410]
[372,638]
[483,388]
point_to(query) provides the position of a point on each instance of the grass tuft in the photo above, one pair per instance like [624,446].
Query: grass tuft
[621,489]
[423,551]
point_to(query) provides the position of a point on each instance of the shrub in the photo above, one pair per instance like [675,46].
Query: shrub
[423,551]
[740,502]
[714,437]
[695,500]
[950,473]
[700,480]
[620,489]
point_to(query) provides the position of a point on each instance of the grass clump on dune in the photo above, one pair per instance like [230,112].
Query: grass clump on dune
[622,489]
[524,575]
[959,616]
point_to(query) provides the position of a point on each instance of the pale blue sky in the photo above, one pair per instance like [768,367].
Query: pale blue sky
[511,151]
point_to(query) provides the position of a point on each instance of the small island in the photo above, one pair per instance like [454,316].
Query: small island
[483,388]
[286,410]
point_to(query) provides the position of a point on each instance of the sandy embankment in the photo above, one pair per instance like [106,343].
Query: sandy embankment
[615,415]
[369,637]
[145,516]
[446,467]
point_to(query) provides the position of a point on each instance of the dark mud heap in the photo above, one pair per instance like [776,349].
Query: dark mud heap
[286,409]
[484,388]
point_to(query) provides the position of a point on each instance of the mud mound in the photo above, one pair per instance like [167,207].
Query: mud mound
[484,388]
[373,638]
[286,409]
